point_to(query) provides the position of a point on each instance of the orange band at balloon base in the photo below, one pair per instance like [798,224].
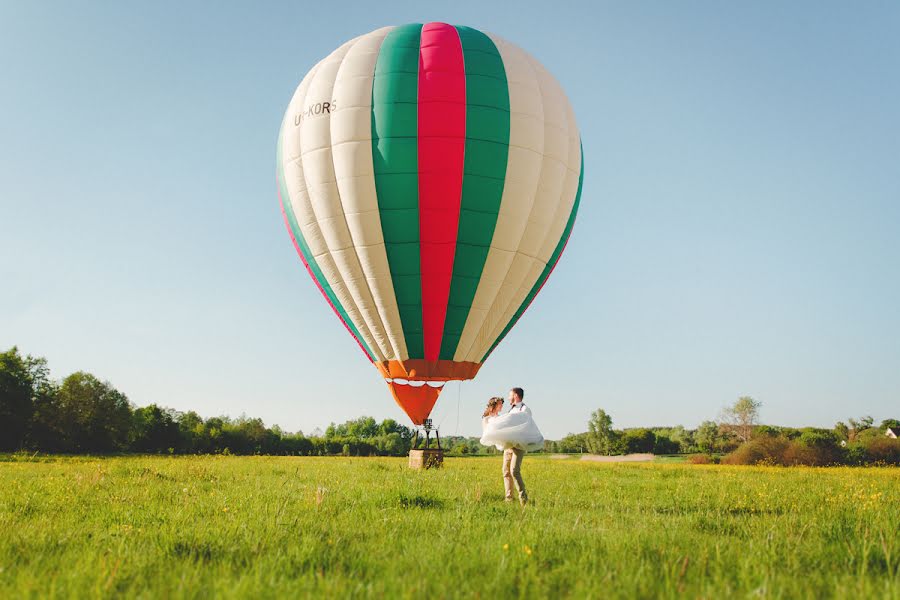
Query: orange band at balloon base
[428,370]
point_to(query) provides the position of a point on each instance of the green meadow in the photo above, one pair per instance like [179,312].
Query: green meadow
[276,527]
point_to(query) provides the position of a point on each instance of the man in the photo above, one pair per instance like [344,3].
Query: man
[512,457]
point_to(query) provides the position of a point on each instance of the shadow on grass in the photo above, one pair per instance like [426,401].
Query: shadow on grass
[196,550]
[419,501]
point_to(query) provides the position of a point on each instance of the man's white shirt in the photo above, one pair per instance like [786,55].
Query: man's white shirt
[520,407]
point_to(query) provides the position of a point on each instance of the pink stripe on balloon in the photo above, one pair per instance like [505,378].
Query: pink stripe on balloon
[441,154]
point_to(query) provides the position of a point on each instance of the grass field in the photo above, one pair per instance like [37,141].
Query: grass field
[265,527]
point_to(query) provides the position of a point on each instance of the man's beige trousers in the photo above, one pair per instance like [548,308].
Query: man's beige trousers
[512,473]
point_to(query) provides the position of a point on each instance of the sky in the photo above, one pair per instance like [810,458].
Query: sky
[739,229]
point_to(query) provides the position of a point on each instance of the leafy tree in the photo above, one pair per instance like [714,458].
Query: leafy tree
[639,440]
[707,437]
[683,438]
[393,444]
[851,433]
[820,438]
[363,428]
[190,431]
[601,438]
[460,448]
[766,431]
[94,416]
[741,417]
[389,426]
[250,436]
[16,399]
[25,393]
[662,444]
[573,443]
[154,429]
[45,432]
[842,431]
[863,423]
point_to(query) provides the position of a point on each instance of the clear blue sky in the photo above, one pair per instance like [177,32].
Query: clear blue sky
[739,231]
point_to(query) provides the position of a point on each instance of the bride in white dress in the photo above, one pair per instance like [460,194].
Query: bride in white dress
[513,430]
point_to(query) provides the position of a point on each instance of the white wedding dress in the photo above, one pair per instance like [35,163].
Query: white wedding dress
[515,429]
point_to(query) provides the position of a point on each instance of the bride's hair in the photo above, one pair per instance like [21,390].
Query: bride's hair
[495,401]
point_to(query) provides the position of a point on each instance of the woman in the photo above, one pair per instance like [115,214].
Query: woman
[491,411]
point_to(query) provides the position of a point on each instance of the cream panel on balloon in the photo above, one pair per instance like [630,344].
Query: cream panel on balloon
[570,190]
[351,138]
[319,166]
[535,268]
[295,182]
[490,329]
[527,264]
[519,190]
[519,265]
[572,153]
[313,169]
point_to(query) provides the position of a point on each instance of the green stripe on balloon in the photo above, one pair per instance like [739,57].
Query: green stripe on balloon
[306,255]
[554,258]
[484,172]
[394,154]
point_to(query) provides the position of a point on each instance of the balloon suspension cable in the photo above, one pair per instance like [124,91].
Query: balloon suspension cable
[458,395]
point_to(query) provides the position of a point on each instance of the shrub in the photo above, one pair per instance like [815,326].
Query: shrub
[701,459]
[763,450]
[883,450]
[811,456]
[814,448]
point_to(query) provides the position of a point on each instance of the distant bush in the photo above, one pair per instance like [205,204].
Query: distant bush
[883,450]
[815,448]
[810,447]
[811,456]
[701,459]
[762,450]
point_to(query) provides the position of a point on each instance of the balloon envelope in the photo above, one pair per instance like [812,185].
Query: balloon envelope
[429,176]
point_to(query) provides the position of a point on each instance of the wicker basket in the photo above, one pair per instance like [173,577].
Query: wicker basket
[426,458]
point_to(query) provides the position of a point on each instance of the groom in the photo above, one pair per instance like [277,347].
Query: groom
[512,457]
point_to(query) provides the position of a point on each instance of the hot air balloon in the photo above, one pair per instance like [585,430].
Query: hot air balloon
[429,176]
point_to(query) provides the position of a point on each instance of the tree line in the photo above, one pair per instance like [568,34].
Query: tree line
[82,414]
[738,437]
